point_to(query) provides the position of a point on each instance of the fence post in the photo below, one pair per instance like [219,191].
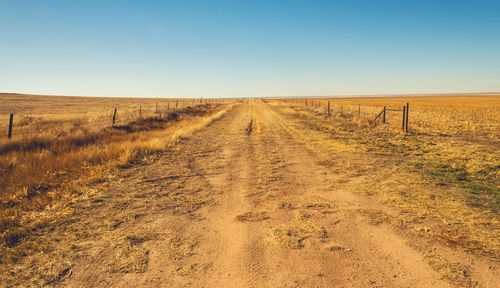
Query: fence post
[177,104]
[114,116]
[407,112]
[359,110]
[306,102]
[329,112]
[341,110]
[140,111]
[11,123]
[383,116]
[156,108]
[168,106]
[404,116]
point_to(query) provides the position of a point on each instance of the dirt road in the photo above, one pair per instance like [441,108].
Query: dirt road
[240,204]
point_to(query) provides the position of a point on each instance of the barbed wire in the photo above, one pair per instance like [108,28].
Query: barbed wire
[95,119]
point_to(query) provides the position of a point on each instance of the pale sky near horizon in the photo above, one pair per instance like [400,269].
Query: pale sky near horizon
[249,48]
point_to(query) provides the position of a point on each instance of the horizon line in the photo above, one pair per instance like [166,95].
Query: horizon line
[268,97]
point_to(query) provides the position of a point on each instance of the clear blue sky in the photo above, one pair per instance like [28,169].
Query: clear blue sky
[249,48]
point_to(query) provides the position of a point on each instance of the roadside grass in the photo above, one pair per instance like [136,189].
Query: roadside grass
[446,185]
[454,160]
[51,172]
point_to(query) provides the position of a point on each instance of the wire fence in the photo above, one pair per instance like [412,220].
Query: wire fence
[368,114]
[466,117]
[56,122]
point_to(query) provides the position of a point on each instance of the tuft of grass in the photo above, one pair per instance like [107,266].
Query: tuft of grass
[188,131]
[480,194]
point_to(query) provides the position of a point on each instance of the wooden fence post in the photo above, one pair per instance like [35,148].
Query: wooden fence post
[383,116]
[359,110]
[140,111]
[329,112]
[11,123]
[114,116]
[407,112]
[177,104]
[156,109]
[404,116]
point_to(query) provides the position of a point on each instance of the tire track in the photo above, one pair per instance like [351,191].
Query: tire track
[239,261]
[254,249]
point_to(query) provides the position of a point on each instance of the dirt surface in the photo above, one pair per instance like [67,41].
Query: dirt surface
[242,203]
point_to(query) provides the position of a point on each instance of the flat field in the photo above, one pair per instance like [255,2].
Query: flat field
[252,193]
[50,115]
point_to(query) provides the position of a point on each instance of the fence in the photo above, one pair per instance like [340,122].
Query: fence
[383,116]
[355,111]
[23,125]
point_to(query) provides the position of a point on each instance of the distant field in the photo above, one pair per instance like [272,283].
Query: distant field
[472,116]
[36,115]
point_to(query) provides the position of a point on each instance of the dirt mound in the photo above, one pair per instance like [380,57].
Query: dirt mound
[252,217]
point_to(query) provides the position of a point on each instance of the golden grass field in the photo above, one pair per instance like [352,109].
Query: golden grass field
[71,142]
[58,116]
[260,172]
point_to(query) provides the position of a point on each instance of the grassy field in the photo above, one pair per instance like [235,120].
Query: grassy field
[468,116]
[50,116]
[72,143]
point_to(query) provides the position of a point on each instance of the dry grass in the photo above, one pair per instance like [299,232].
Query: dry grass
[474,116]
[49,116]
[41,171]
[443,176]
